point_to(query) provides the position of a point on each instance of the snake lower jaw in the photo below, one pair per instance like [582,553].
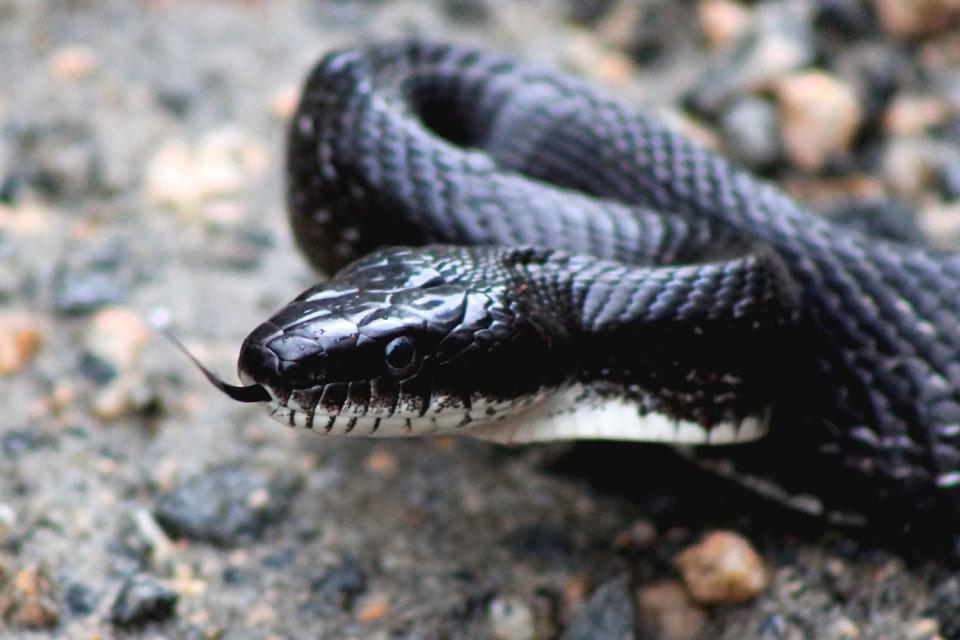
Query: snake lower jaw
[570,413]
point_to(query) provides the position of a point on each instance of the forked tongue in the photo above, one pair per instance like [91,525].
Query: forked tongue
[252,393]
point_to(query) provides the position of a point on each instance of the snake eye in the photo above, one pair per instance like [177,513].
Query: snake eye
[400,355]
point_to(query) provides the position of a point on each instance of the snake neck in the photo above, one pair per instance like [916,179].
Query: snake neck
[670,339]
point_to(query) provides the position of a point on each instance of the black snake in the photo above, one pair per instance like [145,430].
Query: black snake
[586,272]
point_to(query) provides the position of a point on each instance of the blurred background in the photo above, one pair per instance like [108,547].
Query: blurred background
[141,149]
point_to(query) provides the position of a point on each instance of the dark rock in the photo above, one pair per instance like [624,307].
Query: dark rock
[609,614]
[80,599]
[280,559]
[96,369]
[341,583]
[17,442]
[750,130]
[236,575]
[948,177]
[540,542]
[220,506]
[141,600]
[848,17]
[61,159]
[655,29]
[588,11]
[876,71]
[467,11]
[10,184]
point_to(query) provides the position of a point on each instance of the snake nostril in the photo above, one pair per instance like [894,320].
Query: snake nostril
[259,364]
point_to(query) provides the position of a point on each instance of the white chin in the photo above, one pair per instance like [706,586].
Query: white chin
[577,414]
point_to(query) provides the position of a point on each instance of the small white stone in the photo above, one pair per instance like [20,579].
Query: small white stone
[511,619]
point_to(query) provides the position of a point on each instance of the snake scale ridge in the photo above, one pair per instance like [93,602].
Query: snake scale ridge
[561,266]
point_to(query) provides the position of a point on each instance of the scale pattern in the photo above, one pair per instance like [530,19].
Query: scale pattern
[414,143]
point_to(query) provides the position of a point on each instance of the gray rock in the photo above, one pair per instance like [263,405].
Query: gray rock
[750,131]
[609,614]
[141,600]
[81,292]
[341,583]
[540,542]
[92,277]
[81,599]
[227,506]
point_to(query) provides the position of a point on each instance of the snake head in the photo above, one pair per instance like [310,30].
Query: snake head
[401,342]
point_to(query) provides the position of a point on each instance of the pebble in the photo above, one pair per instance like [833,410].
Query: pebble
[19,341]
[667,613]
[283,102]
[382,463]
[143,538]
[618,26]
[261,614]
[113,345]
[511,619]
[825,191]
[923,629]
[30,599]
[723,22]
[751,133]
[819,116]
[915,166]
[843,629]
[780,40]
[722,568]
[917,18]
[80,599]
[142,599]
[341,583]
[586,55]
[216,506]
[374,607]
[941,224]
[8,520]
[221,166]
[640,535]
[25,219]
[117,335]
[911,165]
[914,114]
[609,613]
[73,62]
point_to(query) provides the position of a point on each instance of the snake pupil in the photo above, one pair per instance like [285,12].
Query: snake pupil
[399,354]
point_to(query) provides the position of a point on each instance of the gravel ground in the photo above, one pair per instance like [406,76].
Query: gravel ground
[140,153]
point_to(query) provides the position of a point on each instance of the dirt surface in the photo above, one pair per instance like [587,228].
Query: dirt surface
[140,187]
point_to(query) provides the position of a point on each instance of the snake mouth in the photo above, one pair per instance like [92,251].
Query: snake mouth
[376,409]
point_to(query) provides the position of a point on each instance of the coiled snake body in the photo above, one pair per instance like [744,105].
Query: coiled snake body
[585,272]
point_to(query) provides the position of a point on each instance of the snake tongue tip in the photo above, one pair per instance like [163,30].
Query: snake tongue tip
[251,393]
